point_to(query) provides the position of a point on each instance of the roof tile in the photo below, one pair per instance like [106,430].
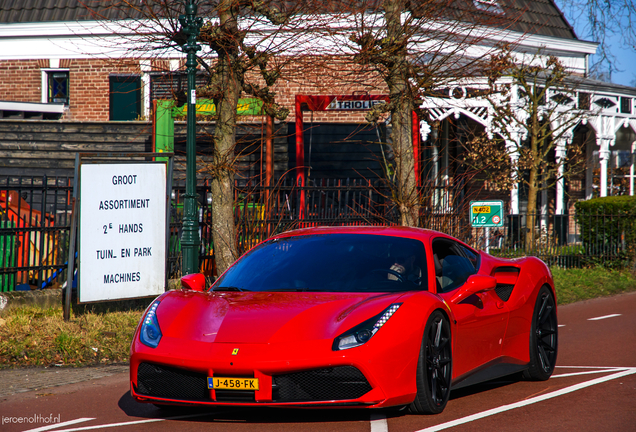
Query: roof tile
[535,16]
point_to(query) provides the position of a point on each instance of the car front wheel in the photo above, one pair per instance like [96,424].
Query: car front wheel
[434,367]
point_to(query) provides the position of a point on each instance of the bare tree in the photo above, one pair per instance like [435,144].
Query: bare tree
[608,23]
[417,48]
[235,58]
[534,112]
[242,40]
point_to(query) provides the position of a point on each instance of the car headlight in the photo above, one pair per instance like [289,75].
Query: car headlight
[360,334]
[150,333]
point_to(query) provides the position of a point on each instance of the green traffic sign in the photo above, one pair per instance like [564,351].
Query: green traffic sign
[485,214]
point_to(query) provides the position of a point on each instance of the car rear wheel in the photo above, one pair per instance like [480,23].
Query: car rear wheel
[434,367]
[543,337]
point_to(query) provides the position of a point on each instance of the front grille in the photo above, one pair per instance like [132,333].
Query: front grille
[235,395]
[337,383]
[504,291]
[171,383]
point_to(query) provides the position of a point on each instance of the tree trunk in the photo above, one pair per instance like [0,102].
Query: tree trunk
[533,183]
[222,187]
[405,194]
[531,218]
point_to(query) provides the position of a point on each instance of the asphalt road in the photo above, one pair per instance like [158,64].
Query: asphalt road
[593,389]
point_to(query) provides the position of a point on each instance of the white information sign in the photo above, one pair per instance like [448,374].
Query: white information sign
[122,243]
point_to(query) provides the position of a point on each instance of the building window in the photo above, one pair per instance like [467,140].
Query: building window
[58,87]
[584,101]
[125,97]
[626,105]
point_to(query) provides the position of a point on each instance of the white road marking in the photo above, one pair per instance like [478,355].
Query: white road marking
[58,425]
[109,425]
[591,367]
[379,423]
[566,390]
[595,371]
[604,317]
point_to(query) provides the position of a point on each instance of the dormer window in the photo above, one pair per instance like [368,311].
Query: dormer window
[491,6]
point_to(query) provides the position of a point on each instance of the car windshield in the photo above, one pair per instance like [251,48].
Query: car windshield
[330,262]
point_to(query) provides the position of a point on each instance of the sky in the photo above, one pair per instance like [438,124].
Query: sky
[625,57]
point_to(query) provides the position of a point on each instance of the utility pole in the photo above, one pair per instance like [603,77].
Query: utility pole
[190,24]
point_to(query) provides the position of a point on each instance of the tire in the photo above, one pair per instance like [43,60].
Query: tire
[543,337]
[434,367]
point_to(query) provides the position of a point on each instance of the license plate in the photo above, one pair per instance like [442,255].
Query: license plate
[225,383]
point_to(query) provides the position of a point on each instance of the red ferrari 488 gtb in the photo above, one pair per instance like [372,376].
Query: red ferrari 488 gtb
[347,317]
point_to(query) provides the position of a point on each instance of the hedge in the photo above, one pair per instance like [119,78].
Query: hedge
[608,227]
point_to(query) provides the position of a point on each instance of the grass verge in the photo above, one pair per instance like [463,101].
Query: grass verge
[574,285]
[31,336]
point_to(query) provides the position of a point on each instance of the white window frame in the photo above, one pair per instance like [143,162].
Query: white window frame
[45,81]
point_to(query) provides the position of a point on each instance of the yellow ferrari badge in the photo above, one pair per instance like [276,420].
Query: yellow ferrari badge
[235,351]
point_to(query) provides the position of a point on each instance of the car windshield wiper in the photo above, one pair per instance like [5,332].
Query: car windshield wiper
[230,288]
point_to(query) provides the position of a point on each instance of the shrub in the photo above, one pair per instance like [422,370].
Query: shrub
[608,227]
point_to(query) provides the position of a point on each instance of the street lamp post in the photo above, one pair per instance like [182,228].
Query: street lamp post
[190,25]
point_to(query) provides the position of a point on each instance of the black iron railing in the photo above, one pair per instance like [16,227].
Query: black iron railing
[35,219]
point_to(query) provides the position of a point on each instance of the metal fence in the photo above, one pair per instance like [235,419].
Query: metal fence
[263,211]
[564,240]
[35,218]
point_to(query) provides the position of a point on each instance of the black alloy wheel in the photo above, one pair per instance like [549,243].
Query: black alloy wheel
[434,367]
[543,337]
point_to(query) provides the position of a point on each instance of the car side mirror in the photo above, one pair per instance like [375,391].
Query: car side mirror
[474,284]
[194,281]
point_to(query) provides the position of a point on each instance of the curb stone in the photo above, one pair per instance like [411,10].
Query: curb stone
[45,298]
[29,379]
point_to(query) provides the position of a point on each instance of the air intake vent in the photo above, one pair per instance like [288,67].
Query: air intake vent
[338,383]
[504,291]
[506,279]
[171,383]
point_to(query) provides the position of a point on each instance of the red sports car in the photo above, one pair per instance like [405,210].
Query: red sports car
[347,317]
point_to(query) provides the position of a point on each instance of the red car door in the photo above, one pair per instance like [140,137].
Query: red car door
[481,319]
[481,327]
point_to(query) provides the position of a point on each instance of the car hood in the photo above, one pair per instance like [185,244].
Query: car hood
[265,317]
